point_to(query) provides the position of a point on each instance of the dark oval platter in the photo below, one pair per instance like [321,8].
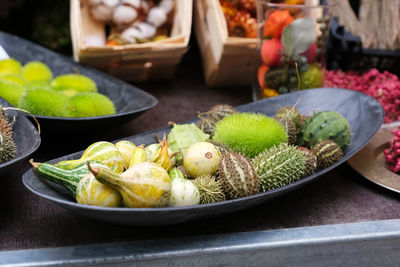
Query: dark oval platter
[26,137]
[364,114]
[129,101]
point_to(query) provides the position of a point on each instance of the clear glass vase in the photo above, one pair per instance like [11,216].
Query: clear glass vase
[292,46]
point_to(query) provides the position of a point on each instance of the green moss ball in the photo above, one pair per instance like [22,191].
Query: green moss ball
[89,105]
[249,133]
[312,78]
[11,91]
[37,71]
[75,82]
[44,102]
[10,66]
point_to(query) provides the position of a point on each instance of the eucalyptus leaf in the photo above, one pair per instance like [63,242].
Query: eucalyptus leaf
[298,36]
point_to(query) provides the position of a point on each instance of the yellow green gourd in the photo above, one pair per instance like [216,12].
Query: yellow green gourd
[102,151]
[138,156]
[126,148]
[144,185]
[80,183]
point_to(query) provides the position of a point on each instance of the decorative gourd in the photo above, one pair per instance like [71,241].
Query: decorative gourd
[126,148]
[102,151]
[138,156]
[183,191]
[91,192]
[159,154]
[80,183]
[144,185]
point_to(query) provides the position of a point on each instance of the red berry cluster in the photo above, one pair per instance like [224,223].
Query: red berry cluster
[383,86]
[392,154]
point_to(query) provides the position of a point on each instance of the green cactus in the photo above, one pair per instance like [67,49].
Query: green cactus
[326,125]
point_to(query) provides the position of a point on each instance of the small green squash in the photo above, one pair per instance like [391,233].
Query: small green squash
[80,183]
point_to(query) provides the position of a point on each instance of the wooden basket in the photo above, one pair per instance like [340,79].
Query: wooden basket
[227,61]
[132,62]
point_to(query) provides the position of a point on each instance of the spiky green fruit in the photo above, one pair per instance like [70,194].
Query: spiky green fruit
[326,125]
[88,105]
[37,85]
[291,129]
[10,66]
[35,71]
[311,161]
[210,190]
[249,133]
[207,126]
[44,102]
[238,176]
[8,148]
[75,82]
[16,78]
[69,92]
[292,114]
[312,78]
[327,153]
[220,111]
[279,166]
[11,92]
[182,136]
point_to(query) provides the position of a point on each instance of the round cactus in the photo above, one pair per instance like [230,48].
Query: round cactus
[326,125]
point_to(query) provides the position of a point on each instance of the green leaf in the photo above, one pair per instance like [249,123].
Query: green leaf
[298,36]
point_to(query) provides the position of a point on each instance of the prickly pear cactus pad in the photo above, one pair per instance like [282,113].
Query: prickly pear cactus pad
[249,133]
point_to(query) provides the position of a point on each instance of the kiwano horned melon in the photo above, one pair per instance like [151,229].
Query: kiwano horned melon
[326,125]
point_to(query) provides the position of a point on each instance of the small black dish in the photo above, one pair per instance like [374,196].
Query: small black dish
[128,100]
[26,137]
[364,114]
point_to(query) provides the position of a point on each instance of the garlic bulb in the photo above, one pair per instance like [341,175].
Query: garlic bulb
[111,3]
[124,15]
[166,5]
[134,3]
[130,35]
[157,16]
[102,13]
[138,31]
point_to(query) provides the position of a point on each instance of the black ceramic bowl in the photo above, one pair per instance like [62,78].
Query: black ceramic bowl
[128,100]
[25,136]
[364,114]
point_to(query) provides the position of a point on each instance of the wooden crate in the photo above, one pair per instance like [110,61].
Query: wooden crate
[132,62]
[227,61]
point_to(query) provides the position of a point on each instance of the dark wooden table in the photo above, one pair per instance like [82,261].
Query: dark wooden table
[341,197]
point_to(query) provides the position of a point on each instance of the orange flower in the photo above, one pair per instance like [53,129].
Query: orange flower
[276,22]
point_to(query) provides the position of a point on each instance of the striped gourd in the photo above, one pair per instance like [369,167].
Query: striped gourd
[327,153]
[326,125]
[183,191]
[279,165]
[237,175]
[80,183]
[102,151]
[144,185]
[126,148]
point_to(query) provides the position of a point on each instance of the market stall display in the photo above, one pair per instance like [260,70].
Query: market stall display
[367,108]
